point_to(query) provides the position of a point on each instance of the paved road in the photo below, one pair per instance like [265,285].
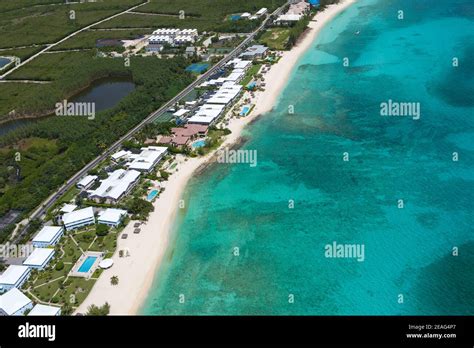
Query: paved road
[40,211]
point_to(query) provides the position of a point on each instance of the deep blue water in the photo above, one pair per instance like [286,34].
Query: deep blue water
[409,250]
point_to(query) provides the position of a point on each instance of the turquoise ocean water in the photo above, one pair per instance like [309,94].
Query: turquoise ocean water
[300,157]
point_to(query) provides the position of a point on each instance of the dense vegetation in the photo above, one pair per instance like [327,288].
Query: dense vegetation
[24,24]
[204,15]
[67,144]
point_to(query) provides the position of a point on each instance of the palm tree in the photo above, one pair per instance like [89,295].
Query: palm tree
[114,280]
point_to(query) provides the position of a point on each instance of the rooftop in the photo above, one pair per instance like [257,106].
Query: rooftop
[13,300]
[116,184]
[38,257]
[47,233]
[67,208]
[148,158]
[87,180]
[41,309]
[13,273]
[112,215]
[78,215]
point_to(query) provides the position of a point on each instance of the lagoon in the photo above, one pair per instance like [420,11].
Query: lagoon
[105,93]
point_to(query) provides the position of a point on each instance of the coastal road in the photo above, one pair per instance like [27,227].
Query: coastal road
[50,201]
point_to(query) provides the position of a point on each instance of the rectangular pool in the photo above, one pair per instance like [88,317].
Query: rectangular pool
[152,195]
[87,264]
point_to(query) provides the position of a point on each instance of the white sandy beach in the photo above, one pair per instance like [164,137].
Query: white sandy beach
[148,248]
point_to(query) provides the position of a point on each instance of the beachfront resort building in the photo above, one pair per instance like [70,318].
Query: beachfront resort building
[44,310]
[207,114]
[67,208]
[79,218]
[111,217]
[296,11]
[254,52]
[14,277]
[117,185]
[121,155]
[39,258]
[86,182]
[48,236]
[14,302]
[148,158]
[182,136]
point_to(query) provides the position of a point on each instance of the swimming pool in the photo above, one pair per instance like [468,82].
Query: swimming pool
[245,110]
[235,17]
[199,143]
[87,264]
[152,195]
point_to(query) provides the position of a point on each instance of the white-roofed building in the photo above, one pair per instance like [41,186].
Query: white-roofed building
[288,18]
[148,158]
[225,95]
[47,236]
[14,277]
[181,112]
[122,154]
[79,218]
[245,15]
[44,310]
[235,77]
[207,114]
[67,208]
[183,39]
[167,31]
[173,37]
[190,103]
[112,217]
[14,302]
[261,12]
[117,185]
[39,258]
[160,39]
[87,182]
[254,52]
[242,64]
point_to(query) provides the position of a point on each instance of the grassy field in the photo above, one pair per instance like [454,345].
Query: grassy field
[249,75]
[275,38]
[138,20]
[217,9]
[22,53]
[204,15]
[29,24]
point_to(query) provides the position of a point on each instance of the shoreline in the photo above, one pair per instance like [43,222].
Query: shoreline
[136,273]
